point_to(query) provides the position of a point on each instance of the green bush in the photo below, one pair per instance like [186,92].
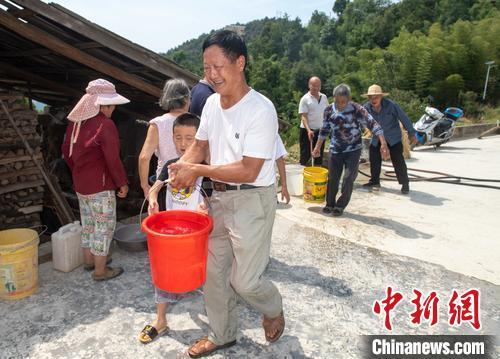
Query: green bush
[491,114]
[291,136]
[468,101]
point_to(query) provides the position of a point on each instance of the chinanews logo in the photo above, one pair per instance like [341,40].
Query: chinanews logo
[463,307]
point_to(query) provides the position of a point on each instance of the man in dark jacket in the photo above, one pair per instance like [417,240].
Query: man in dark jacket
[199,94]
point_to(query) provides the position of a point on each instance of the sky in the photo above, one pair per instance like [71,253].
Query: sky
[162,25]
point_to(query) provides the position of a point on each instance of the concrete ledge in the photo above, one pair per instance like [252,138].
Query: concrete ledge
[462,132]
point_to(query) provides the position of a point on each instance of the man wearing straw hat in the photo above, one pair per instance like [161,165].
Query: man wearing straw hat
[239,127]
[388,114]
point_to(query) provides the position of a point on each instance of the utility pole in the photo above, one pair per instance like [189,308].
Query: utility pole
[490,65]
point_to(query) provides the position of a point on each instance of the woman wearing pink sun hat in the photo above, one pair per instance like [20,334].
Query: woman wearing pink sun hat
[91,149]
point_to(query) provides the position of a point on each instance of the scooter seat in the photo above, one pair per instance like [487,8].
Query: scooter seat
[453,113]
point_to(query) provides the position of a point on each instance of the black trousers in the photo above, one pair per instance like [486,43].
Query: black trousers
[398,161]
[305,148]
[338,163]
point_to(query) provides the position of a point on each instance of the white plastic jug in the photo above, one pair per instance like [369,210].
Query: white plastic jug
[67,253]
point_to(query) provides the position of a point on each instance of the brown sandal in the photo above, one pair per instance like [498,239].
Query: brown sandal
[199,348]
[274,325]
[110,273]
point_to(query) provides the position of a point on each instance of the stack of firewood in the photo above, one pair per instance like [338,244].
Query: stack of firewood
[22,185]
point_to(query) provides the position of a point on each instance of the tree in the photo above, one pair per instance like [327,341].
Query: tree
[423,76]
[405,54]
[447,91]
[317,22]
[328,34]
[483,9]
[453,10]
[412,48]
[339,7]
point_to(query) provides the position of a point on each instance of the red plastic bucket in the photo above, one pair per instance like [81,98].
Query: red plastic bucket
[178,248]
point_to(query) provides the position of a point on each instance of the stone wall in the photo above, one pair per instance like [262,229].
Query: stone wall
[462,132]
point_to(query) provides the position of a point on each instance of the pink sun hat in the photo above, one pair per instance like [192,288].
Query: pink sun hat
[99,92]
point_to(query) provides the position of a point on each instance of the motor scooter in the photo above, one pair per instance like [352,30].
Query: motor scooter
[435,128]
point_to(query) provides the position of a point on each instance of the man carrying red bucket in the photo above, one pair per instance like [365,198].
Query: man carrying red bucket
[238,126]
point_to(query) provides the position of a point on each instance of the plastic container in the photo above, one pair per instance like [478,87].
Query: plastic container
[67,252]
[18,263]
[315,182]
[178,249]
[294,179]
[131,238]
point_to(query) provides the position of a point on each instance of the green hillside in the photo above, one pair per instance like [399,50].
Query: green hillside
[418,50]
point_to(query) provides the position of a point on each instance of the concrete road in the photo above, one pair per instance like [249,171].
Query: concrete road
[330,271]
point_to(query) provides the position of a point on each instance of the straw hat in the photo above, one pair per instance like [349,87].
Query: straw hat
[374,90]
[99,92]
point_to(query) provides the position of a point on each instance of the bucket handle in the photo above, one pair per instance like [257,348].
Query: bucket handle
[45,228]
[311,151]
[167,182]
[29,243]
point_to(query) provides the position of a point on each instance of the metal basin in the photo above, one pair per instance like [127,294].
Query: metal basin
[130,238]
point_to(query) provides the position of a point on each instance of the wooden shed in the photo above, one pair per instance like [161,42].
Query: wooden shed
[49,54]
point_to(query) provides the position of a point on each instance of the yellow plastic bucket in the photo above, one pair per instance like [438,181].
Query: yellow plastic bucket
[18,263]
[315,180]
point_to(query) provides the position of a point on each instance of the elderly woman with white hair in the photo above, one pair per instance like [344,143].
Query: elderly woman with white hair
[159,139]
[91,149]
[344,121]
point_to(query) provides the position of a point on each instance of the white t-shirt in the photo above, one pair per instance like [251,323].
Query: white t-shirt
[280,148]
[166,148]
[183,199]
[248,128]
[314,110]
